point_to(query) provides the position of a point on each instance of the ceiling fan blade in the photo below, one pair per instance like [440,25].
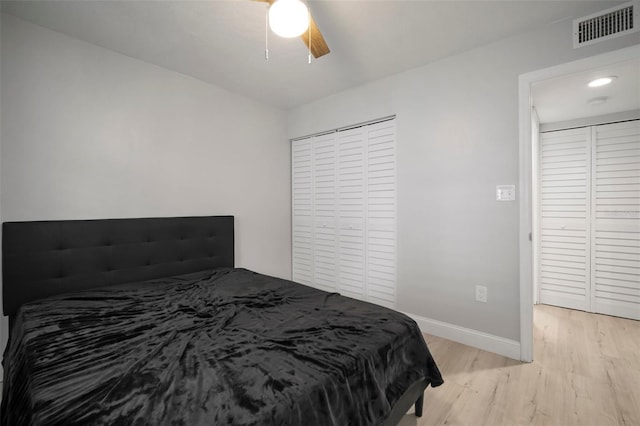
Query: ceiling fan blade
[318,45]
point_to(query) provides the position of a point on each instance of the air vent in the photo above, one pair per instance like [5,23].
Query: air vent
[610,23]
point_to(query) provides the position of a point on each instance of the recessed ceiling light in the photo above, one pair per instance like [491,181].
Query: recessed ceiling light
[601,81]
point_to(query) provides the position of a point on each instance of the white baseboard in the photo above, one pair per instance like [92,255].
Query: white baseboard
[466,336]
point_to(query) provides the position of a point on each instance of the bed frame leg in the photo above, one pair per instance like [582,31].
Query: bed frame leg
[419,404]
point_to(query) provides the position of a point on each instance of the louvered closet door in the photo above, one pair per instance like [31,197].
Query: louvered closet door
[302,211]
[324,202]
[351,213]
[616,219]
[564,256]
[344,212]
[381,213]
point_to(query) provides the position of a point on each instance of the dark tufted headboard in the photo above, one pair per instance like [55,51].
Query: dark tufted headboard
[45,258]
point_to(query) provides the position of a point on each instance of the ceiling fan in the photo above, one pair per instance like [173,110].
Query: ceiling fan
[311,35]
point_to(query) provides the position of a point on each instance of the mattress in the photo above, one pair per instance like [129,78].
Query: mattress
[226,346]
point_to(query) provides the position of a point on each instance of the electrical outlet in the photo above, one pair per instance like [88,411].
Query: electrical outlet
[481,293]
[505,192]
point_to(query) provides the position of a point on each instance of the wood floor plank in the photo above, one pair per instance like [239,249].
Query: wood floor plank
[586,371]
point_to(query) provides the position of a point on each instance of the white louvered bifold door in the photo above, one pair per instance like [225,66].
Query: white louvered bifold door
[616,219]
[564,256]
[381,213]
[302,211]
[324,202]
[344,212]
[351,213]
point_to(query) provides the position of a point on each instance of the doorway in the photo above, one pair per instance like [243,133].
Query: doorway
[529,147]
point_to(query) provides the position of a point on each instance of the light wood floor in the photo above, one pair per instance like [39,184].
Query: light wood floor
[586,371]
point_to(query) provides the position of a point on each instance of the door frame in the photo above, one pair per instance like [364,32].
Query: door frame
[527,173]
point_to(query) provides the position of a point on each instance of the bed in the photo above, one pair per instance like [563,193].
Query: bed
[147,321]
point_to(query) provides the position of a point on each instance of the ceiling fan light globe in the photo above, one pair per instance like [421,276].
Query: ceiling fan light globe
[288,18]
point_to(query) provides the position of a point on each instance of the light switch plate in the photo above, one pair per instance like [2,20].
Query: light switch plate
[505,192]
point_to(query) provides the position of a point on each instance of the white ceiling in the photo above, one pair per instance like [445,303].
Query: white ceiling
[567,98]
[222,42]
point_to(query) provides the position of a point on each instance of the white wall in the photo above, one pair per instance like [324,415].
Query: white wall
[457,122]
[89,133]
